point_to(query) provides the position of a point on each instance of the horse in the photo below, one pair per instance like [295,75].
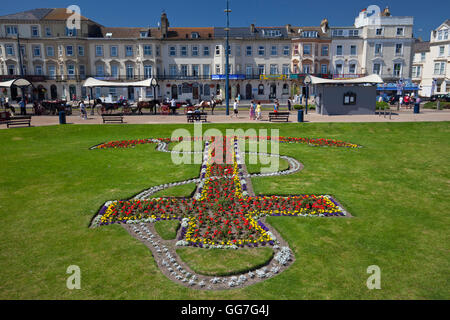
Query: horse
[207,104]
[148,105]
[107,107]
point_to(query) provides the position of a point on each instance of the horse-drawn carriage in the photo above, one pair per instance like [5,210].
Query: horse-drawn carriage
[51,107]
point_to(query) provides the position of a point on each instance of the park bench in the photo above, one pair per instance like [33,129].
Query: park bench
[278,116]
[196,116]
[112,118]
[19,121]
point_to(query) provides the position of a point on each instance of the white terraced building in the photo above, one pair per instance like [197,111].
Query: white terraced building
[189,63]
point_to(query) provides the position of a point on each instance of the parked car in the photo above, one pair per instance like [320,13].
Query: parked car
[440,97]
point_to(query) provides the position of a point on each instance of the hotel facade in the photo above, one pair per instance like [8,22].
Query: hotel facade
[189,63]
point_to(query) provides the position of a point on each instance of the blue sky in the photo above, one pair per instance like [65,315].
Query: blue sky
[428,14]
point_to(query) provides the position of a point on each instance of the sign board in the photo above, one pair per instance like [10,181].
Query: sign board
[273,77]
[231,77]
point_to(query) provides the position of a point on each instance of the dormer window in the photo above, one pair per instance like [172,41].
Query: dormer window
[195,35]
[272,33]
[309,34]
[144,34]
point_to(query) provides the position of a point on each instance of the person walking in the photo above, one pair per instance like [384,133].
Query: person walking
[289,103]
[258,111]
[252,110]
[83,110]
[235,108]
[275,107]
[23,110]
[401,101]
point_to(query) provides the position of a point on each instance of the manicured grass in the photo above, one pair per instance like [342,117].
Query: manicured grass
[167,229]
[396,187]
[218,262]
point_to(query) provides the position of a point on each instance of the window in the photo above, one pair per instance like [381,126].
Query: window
[296,49]
[249,70]
[184,70]
[195,70]
[286,69]
[82,70]
[98,51]
[416,71]
[338,33]
[100,70]
[129,51]
[261,89]
[377,68]
[339,68]
[399,49]
[194,51]
[11,69]
[143,34]
[9,50]
[52,71]
[261,51]
[148,71]
[353,50]
[194,35]
[238,51]
[206,70]
[69,50]
[306,68]
[441,51]
[309,34]
[248,51]
[274,51]
[158,51]
[349,98]
[422,56]
[130,71]
[38,70]
[71,32]
[261,69]
[397,69]
[71,71]
[400,31]
[446,34]
[324,69]
[183,51]
[11,30]
[379,31]
[307,49]
[113,51]
[353,33]
[439,68]
[217,69]
[148,50]
[48,32]
[80,51]
[217,50]
[206,51]
[272,33]
[34,31]
[285,89]
[173,70]
[286,50]
[115,71]
[172,51]
[324,51]
[36,51]
[339,50]
[378,49]
[352,68]
[273,69]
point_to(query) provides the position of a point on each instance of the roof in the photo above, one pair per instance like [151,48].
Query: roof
[174,33]
[373,78]
[92,82]
[421,46]
[122,32]
[245,32]
[60,14]
[35,14]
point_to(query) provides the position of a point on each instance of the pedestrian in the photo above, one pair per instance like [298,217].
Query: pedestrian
[275,107]
[252,110]
[239,98]
[258,111]
[289,103]
[23,110]
[235,108]
[83,110]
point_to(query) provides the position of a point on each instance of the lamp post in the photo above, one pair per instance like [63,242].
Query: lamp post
[227,61]
[307,82]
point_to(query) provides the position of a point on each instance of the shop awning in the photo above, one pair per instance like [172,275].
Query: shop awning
[92,82]
[15,83]
[373,78]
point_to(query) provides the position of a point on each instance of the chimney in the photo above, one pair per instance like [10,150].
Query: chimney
[386,12]
[164,25]
[252,28]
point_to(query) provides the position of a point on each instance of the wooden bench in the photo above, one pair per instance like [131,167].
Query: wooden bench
[279,116]
[196,116]
[19,121]
[112,118]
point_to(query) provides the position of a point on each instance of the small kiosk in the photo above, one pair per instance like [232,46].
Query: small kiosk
[346,97]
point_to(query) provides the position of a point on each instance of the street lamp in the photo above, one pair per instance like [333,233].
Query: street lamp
[307,82]
[227,61]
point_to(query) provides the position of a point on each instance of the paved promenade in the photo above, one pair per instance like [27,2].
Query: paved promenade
[220,117]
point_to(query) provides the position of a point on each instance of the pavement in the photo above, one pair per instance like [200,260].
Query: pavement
[404,115]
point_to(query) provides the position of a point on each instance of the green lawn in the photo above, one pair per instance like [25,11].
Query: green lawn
[396,187]
[167,229]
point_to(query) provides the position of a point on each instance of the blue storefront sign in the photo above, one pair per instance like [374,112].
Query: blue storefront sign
[231,77]
[406,86]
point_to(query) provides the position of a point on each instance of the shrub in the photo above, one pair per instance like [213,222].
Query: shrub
[433,105]
[382,105]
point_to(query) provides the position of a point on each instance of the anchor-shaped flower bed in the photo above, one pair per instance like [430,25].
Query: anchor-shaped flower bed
[224,213]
